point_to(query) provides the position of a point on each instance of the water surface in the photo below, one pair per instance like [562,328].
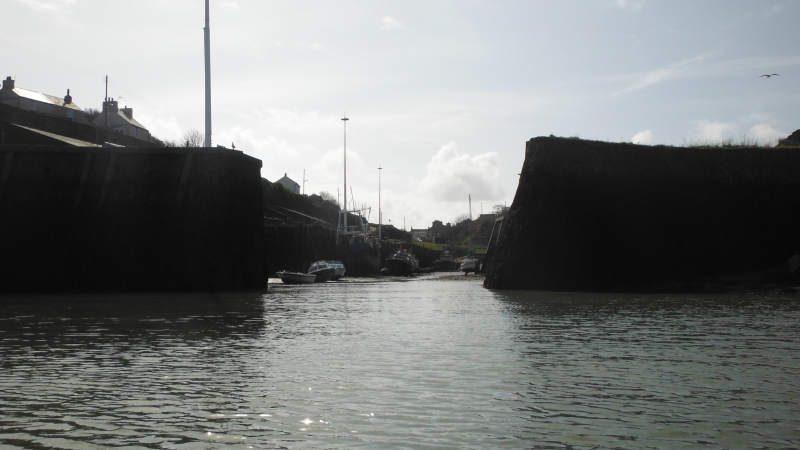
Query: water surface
[434,362]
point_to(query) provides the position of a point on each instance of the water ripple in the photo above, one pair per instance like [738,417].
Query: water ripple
[437,362]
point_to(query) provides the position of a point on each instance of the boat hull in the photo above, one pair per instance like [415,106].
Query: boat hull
[339,270]
[296,277]
[397,267]
[470,265]
[360,260]
[402,263]
[445,265]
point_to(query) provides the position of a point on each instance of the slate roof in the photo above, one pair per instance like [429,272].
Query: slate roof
[64,139]
[44,98]
[130,120]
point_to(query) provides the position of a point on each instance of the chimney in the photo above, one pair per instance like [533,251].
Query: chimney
[8,83]
[111,105]
[67,98]
[128,112]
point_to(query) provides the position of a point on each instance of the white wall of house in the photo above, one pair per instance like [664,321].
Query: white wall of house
[120,122]
[289,184]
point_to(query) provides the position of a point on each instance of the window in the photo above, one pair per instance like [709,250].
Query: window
[70,114]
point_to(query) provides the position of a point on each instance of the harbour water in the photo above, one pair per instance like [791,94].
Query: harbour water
[433,362]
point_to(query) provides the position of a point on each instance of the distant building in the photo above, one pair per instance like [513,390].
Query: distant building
[40,103]
[440,233]
[289,184]
[420,234]
[121,121]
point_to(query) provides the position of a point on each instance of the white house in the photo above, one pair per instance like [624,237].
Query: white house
[38,102]
[289,184]
[121,120]
[420,234]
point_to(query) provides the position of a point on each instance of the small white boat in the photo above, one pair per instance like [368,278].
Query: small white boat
[296,277]
[322,270]
[469,264]
[338,268]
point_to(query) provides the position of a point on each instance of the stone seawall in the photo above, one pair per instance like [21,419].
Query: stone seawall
[597,216]
[20,127]
[130,219]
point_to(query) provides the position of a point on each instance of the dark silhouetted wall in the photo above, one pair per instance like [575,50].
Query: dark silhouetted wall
[129,219]
[594,216]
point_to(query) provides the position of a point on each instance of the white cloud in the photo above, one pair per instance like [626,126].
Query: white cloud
[329,168]
[643,137]
[451,176]
[315,46]
[631,5]
[390,23]
[268,149]
[764,134]
[715,132]
[48,5]
[295,120]
[775,9]
[675,70]
[162,127]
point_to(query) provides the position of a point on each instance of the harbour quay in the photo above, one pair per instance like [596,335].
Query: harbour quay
[106,219]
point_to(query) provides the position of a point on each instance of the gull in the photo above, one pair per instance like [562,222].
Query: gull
[769,75]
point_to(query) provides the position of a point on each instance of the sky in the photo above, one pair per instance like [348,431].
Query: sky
[441,94]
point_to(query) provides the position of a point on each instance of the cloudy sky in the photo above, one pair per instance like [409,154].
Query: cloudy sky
[442,94]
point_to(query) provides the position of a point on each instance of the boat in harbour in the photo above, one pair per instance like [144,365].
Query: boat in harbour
[357,249]
[296,277]
[402,262]
[322,270]
[338,269]
[445,263]
[470,264]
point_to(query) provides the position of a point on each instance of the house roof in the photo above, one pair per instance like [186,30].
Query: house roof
[44,98]
[130,120]
[64,139]
[101,119]
[286,178]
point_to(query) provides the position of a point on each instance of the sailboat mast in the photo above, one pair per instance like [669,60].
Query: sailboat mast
[344,121]
[470,218]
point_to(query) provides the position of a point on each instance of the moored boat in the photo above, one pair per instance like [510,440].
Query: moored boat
[470,264]
[445,263]
[402,263]
[296,277]
[322,270]
[338,268]
[359,251]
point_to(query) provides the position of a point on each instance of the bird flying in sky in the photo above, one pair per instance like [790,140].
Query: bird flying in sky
[769,75]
